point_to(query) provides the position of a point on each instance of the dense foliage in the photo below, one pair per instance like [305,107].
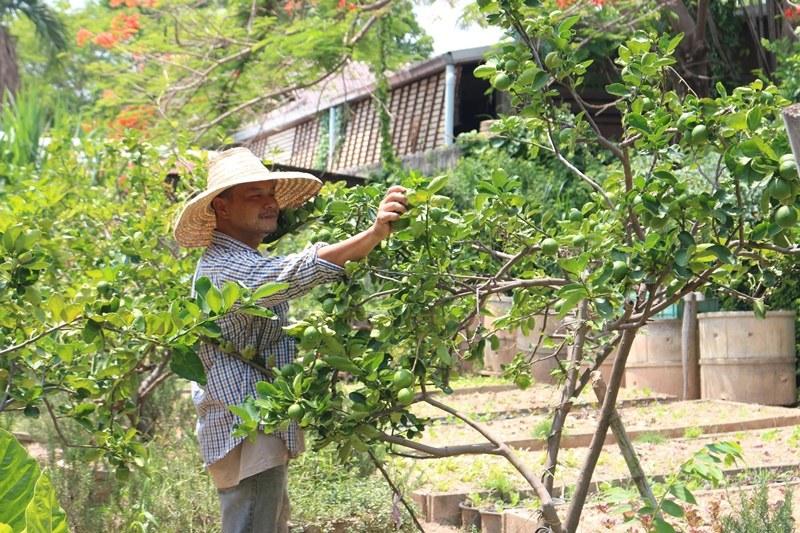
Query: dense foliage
[95,311]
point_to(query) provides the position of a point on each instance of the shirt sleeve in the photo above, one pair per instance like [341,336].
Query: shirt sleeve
[302,271]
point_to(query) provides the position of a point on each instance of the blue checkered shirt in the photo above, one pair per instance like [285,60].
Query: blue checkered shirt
[229,381]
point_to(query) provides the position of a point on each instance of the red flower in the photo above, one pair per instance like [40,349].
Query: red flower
[83,36]
[105,39]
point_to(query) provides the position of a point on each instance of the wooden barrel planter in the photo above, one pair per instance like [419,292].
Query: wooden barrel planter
[747,359]
[654,361]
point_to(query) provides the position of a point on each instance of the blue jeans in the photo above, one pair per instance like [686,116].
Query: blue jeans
[258,504]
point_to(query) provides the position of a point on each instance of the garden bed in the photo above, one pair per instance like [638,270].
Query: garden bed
[665,433]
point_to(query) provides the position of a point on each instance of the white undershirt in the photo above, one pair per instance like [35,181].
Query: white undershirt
[248,459]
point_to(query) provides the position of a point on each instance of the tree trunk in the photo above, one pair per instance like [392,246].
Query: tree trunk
[9,73]
[692,53]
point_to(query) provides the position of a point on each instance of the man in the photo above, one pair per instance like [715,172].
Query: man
[239,207]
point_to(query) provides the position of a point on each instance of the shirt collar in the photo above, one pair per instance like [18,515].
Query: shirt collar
[222,240]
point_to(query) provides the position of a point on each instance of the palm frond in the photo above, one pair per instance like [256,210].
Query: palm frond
[49,27]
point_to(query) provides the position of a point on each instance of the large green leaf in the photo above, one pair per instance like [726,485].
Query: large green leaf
[18,475]
[44,514]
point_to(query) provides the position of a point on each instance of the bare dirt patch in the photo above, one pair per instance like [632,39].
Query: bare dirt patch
[518,415]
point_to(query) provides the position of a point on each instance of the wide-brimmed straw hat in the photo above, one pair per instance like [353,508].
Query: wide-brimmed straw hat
[197,221]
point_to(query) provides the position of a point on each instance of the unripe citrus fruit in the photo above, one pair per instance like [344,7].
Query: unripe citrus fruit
[575,215]
[502,81]
[578,241]
[788,169]
[781,189]
[402,378]
[296,411]
[699,134]
[549,246]
[786,216]
[619,269]
[405,396]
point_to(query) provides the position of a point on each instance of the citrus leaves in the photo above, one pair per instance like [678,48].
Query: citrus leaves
[29,502]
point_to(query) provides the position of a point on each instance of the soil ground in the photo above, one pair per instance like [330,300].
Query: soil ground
[519,415]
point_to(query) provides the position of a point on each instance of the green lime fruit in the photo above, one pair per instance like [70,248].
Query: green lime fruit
[578,241]
[549,246]
[786,216]
[786,157]
[788,169]
[781,189]
[552,60]
[512,65]
[311,337]
[405,396]
[296,411]
[402,378]
[575,215]
[287,371]
[502,81]
[699,134]
[619,269]
[328,305]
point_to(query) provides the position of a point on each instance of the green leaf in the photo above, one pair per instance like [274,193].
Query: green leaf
[617,89]
[342,363]
[753,119]
[230,293]
[672,45]
[672,508]
[44,514]
[662,526]
[566,24]
[18,476]
[540,80]
[268,289]
[437,184]
[186,363]
[682,493]
[639,122]
[723,254]
[759,308]
[214,299]
[201,286]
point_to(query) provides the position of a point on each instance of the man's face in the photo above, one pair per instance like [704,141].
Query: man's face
[248,212]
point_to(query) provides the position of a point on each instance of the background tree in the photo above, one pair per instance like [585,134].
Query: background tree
[49,29]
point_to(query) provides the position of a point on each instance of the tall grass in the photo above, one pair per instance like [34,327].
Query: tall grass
[25,119]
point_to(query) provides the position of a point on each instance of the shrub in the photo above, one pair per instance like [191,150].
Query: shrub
[755,514]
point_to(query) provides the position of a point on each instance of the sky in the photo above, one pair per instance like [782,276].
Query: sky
[440,21]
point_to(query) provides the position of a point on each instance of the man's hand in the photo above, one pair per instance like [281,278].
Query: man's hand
[393,205]
[358,246]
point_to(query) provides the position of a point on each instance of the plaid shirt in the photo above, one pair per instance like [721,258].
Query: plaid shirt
[229,381]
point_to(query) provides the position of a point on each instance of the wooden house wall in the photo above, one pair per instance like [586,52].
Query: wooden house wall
[277,148]
[306,143]
[417,125]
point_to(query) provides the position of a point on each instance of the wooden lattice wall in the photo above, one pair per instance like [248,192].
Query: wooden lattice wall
[277,148]
[306,143]
[417,125]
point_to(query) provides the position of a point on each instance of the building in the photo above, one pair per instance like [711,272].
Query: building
[336,128]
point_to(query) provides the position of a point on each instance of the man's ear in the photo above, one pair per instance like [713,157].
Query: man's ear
[220,207]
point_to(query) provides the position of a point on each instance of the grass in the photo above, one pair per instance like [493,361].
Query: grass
[651,438]
[692,433]
[175,494]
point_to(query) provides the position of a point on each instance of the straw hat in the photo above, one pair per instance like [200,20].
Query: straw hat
[233,167]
